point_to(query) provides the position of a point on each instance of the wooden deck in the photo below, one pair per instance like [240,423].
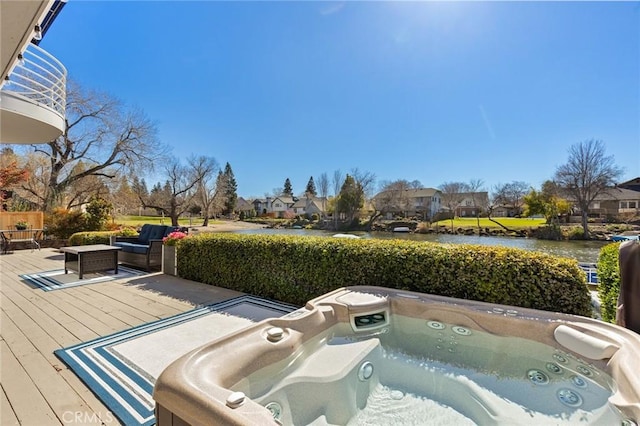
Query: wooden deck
[37,388]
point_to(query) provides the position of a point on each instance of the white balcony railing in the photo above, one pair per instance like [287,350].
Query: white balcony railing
[40,78]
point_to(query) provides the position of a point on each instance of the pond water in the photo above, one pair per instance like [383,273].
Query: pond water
[583,251]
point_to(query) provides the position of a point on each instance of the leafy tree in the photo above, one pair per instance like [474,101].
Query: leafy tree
[231,190]
[288,190]
[102,134]
[123,197]
[311,188]
[220,197]
[547,202]
[97,213]
[139,187]
[587,174]
[351,198]
[10,173]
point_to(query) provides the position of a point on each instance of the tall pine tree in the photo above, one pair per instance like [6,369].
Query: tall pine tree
[231,188]
[311,188]
[288,190]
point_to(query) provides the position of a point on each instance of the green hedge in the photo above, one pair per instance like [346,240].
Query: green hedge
[609,280]
[94,237]
[296,269]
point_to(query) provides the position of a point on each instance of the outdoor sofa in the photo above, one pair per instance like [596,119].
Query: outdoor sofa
[145,250]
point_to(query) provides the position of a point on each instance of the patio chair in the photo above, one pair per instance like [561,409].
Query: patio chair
[628,308]
[5,243]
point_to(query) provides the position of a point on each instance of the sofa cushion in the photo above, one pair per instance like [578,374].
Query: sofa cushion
[137,248]
[157,232]
[120,243]
[127,247]
[145,233]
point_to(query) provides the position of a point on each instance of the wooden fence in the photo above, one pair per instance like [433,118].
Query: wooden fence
[8,220]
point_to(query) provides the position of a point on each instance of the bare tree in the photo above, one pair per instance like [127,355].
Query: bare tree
[323,188]
[338,179]
[587,173]
[392,198]
[452,196]
[180,188]
[210,187]
[474,187]
[415,184]
[511,194]
[82,190]
[365,181]
[100,133]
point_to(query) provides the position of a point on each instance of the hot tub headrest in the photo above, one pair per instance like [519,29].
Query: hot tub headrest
[584,344]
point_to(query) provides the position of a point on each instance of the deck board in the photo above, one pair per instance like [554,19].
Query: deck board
[7,416]
[37,388]
[28,404]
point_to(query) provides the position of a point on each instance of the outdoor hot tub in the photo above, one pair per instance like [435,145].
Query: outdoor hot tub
[369,355]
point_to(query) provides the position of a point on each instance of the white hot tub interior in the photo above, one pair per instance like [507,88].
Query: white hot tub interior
[380,356]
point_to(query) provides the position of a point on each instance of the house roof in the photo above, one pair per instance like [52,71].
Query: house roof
[422,192]
[286,200]
[632,184]
[315,201]
[415,193]
[479,195]
[242,204]
[301,203]
[612,194]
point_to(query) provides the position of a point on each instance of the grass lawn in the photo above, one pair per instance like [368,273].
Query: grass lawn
[509,222]
[136,221]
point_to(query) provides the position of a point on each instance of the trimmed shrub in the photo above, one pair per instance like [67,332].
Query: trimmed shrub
[88,238]
[296,269]
[609,280]
[63,223]
[575,233]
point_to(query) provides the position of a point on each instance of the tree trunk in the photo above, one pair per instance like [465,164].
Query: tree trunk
[585,224]
[504,227]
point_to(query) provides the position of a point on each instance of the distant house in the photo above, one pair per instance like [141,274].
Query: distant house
[506,210]
[614,202]
[309,206]
[472,204]
[243,206]
[424,203]
[276,205]
[632,185]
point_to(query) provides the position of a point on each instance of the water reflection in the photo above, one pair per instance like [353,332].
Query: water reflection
[583,251]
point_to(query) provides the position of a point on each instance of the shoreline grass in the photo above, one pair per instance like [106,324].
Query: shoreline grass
[509,222]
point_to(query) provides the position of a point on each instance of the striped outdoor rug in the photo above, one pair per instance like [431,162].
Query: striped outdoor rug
[58,280]
[122,368]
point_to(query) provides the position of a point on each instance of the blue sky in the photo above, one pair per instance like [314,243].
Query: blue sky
[431,91]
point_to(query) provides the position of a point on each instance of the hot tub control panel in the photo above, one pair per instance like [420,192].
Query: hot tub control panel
[370,320]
